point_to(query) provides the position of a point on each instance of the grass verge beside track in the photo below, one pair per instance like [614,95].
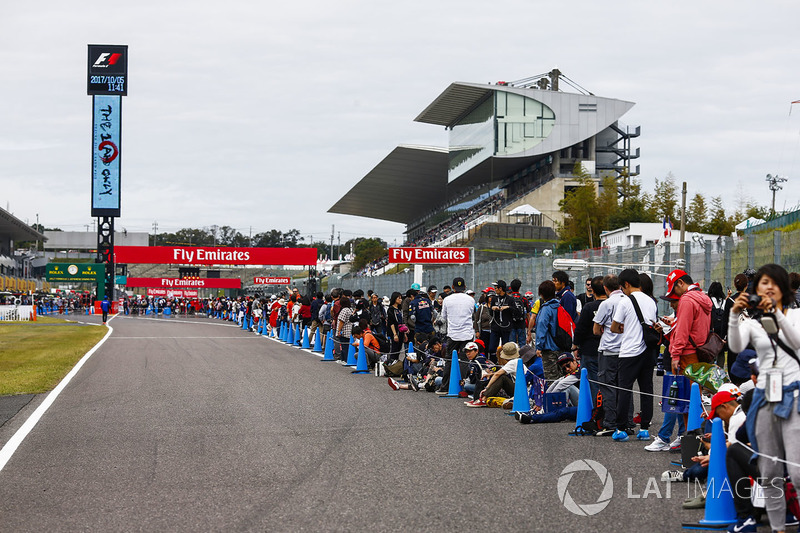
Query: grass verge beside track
[33,359]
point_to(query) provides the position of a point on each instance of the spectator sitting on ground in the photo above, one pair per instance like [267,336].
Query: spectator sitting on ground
[501,380]
[477,365]
[414,363]
[372,348]
[570,382]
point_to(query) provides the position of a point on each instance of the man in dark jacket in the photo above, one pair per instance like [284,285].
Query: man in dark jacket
[500,306]
[421,309]
[546,324]
[105,306]
[566,296]
[585,343]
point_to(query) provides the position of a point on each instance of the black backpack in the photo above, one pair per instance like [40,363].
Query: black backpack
[518,308]
[383,342]
[376,315]
[595,424]
[718,320]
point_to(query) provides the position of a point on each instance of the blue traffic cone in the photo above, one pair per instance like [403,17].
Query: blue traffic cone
[306,344]
[455,388]
[584,403]
[351,353]
[720,511]
[411,347]
[522,402]
[317,342]
[298,336]
[329,347]
[695,420]
[290,335]
[281,332]
[362,367]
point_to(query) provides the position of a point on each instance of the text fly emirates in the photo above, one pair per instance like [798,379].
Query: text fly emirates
[201,254]
[429,254]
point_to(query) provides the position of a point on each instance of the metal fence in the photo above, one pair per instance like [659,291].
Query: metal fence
[705,261]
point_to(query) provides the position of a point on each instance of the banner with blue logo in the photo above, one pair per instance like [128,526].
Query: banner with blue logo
[106,155]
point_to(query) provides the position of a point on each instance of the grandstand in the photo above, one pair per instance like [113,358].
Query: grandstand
[510,144]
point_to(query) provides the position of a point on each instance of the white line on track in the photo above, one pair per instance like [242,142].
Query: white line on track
[11,446]
[171,320]
[276,339]
[235,338]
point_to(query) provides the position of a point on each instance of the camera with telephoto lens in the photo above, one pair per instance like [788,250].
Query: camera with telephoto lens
[753,299]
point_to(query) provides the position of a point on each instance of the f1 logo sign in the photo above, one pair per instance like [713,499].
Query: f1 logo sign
[106,60]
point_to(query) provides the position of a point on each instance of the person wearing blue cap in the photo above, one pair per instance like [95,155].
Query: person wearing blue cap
[105,306]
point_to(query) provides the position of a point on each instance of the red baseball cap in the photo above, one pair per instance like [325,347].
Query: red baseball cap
[674,276]
[718,399]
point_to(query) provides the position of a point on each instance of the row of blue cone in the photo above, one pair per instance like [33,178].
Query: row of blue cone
[719,509]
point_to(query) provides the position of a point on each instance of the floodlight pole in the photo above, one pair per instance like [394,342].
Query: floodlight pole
[683,221]
[774,187]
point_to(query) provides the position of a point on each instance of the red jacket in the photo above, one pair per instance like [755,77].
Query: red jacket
[693,318]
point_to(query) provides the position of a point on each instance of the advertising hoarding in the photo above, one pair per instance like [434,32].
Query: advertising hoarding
[106,155]
[215,255]
[260,280]
[177,283]
[431,256]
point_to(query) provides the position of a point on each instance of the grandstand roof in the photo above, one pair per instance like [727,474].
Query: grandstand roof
[13,228]
[407,184]
[455,102]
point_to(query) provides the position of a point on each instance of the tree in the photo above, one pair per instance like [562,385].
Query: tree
[756,211]
[226,235]
[697,214]
[368,250]
[323,248]
[632,208]
[581,226]
[665,200]
[291,238]
[719,223]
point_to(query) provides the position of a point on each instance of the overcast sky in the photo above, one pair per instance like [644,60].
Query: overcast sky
[264,114]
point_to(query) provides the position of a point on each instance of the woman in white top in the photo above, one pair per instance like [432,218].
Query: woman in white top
[773,422]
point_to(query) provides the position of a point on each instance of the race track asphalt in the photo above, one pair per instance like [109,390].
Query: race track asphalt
[197,425]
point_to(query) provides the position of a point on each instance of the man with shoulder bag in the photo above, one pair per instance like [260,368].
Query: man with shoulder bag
[693,323]
[633,319]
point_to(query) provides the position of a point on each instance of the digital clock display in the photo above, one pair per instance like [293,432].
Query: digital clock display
[107,70]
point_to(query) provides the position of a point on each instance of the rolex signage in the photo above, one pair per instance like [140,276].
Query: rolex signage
[75,272]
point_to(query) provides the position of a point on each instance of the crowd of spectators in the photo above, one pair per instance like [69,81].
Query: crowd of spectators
[481,345]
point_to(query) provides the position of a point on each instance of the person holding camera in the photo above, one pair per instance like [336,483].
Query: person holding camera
[773,421]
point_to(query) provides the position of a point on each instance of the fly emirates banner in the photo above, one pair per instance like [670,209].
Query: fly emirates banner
[214,255]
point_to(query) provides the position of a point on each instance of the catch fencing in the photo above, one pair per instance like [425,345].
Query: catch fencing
[705,261]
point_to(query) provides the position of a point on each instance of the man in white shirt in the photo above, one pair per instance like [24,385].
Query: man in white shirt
[608,354]
[457,310]
[636,360]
